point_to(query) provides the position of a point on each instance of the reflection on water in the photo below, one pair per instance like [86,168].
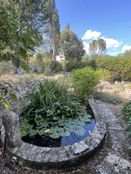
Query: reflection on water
[73,138]
[46,141]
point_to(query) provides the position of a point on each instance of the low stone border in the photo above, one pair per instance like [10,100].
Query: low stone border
[58,157]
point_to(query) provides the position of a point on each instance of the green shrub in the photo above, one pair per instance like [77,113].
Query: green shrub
[84,81]
[119,67]
[56,67]
[53,111]
[109,98]
[74,64]
[104,74]
[127,112]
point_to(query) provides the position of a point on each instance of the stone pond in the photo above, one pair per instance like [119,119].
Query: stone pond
[53,157]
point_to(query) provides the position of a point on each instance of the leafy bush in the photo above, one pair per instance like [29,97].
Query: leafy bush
[127,112]
[106,97]
[119,67]
[53,111]
[73,64]
[55,67]
[104,74]
[84,81]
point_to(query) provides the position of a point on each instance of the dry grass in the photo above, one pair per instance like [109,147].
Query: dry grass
[122,90]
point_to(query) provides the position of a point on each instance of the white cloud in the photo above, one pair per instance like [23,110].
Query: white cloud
[111,43]
[91,35]
[126,47]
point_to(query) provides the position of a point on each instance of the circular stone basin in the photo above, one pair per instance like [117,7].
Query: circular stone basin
[78,151]
[46,141]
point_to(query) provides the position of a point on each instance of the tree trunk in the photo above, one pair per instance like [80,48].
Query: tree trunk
[54,52]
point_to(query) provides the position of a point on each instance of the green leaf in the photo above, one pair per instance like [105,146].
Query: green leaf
[25,66]
[65,133]
[80,131]
[22,49]
[13,97]
[55,135]
[6,105]
[23,53]
[1,99]
[33,132]
[55,118]
[24,132]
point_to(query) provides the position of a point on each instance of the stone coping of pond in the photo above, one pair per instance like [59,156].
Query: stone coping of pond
[55,157]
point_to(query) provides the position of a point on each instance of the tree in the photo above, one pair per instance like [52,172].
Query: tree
[97,47]
[53,26]
[33,18]
[126,54]
[21,24]
[71,46]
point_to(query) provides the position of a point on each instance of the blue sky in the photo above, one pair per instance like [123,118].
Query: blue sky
[90,19]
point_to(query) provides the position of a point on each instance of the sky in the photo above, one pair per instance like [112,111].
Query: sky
[92,19]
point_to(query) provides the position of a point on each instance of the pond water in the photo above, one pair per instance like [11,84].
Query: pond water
[46,141]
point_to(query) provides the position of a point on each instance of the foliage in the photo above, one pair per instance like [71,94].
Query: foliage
[23,25]
[85,60]
[104,74]
[97,47]
[73,64]
[56,66]
[109,98]
[7,95]
[119,67]
[71,46]
[37,61]
[43,61]
[46,64]
[126,54]
[127,112]
[9,26]
[13,45]
[84,81]
[53,26]
[53,111]
[33,18]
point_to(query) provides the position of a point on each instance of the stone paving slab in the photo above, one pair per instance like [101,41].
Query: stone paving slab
[114,162]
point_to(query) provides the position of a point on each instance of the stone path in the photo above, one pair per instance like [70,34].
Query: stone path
[115,161]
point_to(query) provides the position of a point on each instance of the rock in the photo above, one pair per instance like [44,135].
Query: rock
[112,159]
[79,148]
[12,129]
[114,164]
